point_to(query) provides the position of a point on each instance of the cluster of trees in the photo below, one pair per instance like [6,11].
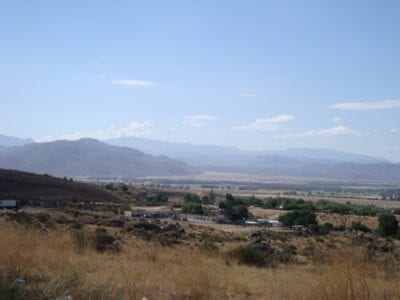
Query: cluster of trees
[349,209]
[158,199]
[235,209]
[298,217]
[322,205]
[192,205]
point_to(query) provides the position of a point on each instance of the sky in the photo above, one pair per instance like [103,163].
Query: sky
[252,74]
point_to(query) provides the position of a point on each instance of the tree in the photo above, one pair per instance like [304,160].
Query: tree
[206,200]
[298,217]
[388,225]
[192,198]
[238,212]
[234,209]
[192,208]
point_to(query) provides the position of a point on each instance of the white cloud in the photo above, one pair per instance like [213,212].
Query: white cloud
[136,129]
[336,119]
[247,95]
[329,132]
[366,105]
[268,124]
[133,83]
[393,130]
[198,121]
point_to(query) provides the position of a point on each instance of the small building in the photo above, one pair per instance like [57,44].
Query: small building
[275,223]
[263,222]
[10,204]
[301,228]
[128,213]
[250,223]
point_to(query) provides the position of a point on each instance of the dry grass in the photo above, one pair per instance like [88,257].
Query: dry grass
[346,220]
[52,268]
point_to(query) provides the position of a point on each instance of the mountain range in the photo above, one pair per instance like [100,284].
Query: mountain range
[125,157]
[89,158]
[203,155]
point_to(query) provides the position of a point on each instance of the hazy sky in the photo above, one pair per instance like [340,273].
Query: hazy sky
[255,74]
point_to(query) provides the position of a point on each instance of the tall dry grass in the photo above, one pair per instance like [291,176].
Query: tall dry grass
[53,268]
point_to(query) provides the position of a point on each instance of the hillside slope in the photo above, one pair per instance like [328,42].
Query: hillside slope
[29,186]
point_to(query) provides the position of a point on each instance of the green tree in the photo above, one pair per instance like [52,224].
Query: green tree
[192,208]
[298,217]
[234,208]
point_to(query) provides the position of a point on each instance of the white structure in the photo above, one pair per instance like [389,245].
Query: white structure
[253,223]
[128,213]
[8,203]
[275,223]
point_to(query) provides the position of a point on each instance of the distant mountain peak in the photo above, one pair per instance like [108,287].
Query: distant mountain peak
[9,141]
[89,158]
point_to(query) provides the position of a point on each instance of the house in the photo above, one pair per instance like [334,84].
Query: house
[10,204]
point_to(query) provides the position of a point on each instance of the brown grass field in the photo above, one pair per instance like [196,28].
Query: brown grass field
[52,267]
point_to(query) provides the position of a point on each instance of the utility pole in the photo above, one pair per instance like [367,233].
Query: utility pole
[216,203]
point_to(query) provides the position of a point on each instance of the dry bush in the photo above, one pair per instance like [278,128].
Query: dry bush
[52,268]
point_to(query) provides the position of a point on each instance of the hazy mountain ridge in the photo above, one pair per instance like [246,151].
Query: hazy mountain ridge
[296,162]
[92,158]
[10,141]
[211,154]
[89,158]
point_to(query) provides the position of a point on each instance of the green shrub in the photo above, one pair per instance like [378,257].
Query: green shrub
[43,217]
[388,225]
[248,256]
[325,228]
[103,240]
[9,291]
[21,217]
[359,227]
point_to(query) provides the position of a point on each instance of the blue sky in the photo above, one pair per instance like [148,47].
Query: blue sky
[252,74]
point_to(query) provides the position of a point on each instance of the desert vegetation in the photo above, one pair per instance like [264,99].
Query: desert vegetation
[46,259]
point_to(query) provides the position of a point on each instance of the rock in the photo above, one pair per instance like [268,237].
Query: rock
[171,234]
[396,253]
[173,228]
[260,245]
[114,223]
[255,235]
[146,226]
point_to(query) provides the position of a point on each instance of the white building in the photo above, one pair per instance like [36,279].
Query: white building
[8,203]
